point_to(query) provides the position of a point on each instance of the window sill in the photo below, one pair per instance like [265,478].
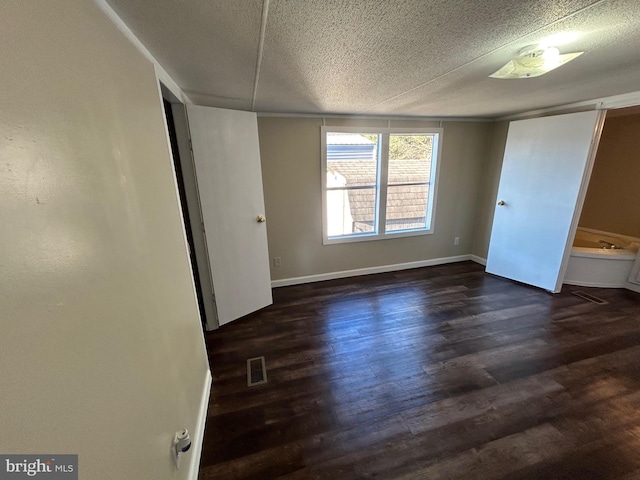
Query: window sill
[377,236]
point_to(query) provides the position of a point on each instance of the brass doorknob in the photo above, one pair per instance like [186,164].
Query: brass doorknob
[502,203]
[260,219]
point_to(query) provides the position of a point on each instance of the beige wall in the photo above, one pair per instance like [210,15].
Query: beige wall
[100,343]
[612,199]
[489,182]
[290,151]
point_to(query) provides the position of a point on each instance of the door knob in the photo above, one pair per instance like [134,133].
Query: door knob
[260,219]
[502,203]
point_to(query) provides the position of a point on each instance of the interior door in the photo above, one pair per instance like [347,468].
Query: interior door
[229,177]
[545,173]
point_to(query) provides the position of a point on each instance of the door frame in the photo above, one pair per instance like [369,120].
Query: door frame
[191,213]
[613,103]
[582,194]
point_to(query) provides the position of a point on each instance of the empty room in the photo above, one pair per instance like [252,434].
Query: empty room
[311,239]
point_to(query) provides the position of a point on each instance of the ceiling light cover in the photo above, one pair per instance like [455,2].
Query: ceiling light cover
[534,61]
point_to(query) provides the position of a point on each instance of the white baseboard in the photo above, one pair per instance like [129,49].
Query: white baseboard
[579,283]
[198,437]
[477,259]
[368,271]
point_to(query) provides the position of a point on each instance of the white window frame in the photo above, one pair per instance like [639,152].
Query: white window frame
[381,187]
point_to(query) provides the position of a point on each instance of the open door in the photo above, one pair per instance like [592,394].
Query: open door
[227,166]
[545,172]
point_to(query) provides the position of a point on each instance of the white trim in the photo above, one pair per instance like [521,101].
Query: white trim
[382,187]
[434,180]
[374,117]
[582,194]
[196,448]
[619,101]
[594,284]
[174,175]
[161,73]
[181,123]
[323,179]
[368,271]
[368,237]
[477,259]
[381,182]
[557,110]
[604,103]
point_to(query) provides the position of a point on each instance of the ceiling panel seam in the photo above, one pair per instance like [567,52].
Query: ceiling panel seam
[582,10]
[263,28]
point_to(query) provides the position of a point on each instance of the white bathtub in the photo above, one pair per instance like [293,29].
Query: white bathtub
[591,265]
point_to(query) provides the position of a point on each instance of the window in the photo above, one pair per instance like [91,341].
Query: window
[378,183]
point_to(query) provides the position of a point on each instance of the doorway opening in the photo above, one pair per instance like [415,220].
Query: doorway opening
[187,219]
[608,238]
[612,194]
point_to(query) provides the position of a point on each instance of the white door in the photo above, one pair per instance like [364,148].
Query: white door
[229,177]
[545,173]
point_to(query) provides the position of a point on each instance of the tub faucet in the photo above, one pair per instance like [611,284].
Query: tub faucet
[607,244]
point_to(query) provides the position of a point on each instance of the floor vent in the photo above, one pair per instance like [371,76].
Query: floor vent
[590,298]
[256,371]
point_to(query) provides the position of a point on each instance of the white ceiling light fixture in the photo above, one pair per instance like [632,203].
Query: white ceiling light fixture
[533,61]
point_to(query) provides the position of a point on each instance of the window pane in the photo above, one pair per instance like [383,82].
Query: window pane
[409,158]
[351,212]
[352,183]
[352,159]
[408,189]
[406,207]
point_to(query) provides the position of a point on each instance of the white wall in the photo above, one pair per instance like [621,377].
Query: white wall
[489,182]
[99,330]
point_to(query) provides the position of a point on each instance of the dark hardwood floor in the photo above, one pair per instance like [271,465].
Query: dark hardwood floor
[434,373]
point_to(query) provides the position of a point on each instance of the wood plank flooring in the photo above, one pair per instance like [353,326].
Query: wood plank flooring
[434,373]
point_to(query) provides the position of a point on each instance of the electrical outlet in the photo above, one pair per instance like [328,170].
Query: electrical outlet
[456,241]
[277,261]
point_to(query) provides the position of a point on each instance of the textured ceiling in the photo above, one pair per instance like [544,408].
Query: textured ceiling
[385,57]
